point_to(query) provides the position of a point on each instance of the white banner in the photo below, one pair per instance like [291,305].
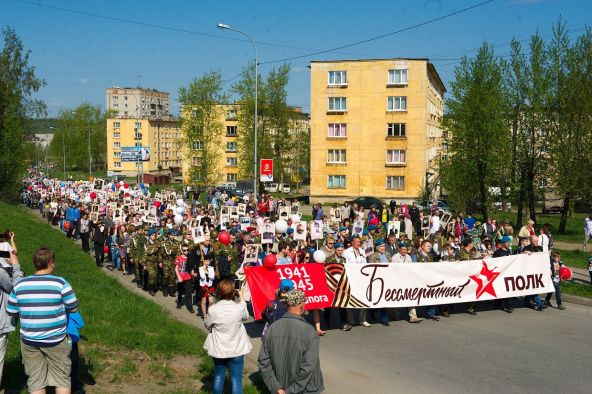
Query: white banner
[422,284]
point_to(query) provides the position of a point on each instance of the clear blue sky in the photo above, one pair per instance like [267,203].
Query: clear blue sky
[79,56]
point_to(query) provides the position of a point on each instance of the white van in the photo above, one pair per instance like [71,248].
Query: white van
[284,187]
[271,187]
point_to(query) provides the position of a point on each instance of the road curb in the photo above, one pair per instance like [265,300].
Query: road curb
[572,299]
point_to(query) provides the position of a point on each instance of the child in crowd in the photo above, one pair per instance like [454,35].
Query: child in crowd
[207,275]
[556,265]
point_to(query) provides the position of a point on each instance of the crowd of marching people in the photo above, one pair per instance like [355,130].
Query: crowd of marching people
[184,249]
[197,252]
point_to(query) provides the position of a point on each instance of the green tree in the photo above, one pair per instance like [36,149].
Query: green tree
[18,84]
[477,129]
[202,129]
[79,129]
[570,131]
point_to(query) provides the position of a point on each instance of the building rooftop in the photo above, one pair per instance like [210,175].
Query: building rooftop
[370,60]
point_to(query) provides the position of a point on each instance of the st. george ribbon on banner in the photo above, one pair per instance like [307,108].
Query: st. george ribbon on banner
[404,285]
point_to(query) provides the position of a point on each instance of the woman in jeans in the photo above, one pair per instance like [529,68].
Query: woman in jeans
[227,342]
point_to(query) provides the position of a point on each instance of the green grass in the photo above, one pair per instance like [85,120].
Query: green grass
[115,318]
[574,258]
[577,289]
[574,230]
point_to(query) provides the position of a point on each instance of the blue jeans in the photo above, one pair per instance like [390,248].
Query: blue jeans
[431,311]
[557,293]
[115,259]
[235,366]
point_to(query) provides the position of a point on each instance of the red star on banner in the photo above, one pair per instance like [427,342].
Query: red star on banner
[487,285]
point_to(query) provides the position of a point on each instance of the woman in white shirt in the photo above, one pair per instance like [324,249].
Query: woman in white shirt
[227,342]
[206,284]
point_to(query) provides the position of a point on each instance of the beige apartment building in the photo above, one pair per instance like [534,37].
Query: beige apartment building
[375,128]
[137,103]
[160,136]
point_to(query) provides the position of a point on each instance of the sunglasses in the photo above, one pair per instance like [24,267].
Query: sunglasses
[185,250]
[306,257]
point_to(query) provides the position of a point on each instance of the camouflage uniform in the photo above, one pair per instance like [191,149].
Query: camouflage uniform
[138,253]
[464,255]
[152,260]
[169,251]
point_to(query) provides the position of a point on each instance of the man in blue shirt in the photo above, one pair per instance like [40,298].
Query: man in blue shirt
[42,302]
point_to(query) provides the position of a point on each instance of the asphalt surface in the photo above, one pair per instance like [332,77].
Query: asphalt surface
[494,352]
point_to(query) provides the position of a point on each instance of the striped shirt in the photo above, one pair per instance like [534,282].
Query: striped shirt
[41,301]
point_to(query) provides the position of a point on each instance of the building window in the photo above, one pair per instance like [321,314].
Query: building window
[197,145]
[397,77]
[395,183]
[231,161]
[117,164]
[337,104]
[395,130]
[338,78]
[397,103]
[336,182]
[230,177]
[231,114]
[125,97]
[231,130]
[231,146]
[395,156]
[138,125]
[337,130]
[116,125]
[336,156]
[116,135]
[116,154]
[117,145]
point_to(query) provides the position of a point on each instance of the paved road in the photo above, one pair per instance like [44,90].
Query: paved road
[493,352]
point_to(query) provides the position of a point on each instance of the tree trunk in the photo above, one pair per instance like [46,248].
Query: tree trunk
[521,196]
[531,197]
[564,212]
[482,193]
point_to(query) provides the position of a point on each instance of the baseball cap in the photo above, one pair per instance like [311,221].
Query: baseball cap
[286,285]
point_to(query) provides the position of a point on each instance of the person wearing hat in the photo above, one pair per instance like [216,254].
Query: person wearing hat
[291,335]
[276,308]
[137,252]
[402,257]
[380,256]
[502,251]
[152,260]
[168,253]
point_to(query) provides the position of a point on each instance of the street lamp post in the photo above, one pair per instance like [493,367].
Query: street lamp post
[227,27]
[89,156]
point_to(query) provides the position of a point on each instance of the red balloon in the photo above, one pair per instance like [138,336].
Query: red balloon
[125,185]
[67,225]
[106,249]
[270,260]
[157,204]
[93,195]
[126,195]
[117,185]
[29,187]
[565,273]
[224,237]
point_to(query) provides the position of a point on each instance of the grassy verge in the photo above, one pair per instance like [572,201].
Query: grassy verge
[127,334]
[574,229]
[577,289]
[574,258]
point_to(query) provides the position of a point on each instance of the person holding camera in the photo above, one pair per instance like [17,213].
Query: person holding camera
[10,274]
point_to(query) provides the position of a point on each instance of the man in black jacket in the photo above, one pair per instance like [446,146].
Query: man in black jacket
[99,237]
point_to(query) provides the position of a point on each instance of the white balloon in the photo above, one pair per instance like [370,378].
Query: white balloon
[180,202]
[121,183]
[281,226]
[319,256]
[180,210]
[295,218]
[87,199]
[178,219]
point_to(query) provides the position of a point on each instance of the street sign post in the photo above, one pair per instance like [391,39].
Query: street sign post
[266,170]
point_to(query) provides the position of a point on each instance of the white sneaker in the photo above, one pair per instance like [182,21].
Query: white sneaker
[366,324]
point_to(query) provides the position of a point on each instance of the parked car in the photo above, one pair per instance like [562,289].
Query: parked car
[271,187]
[284,187]
[427,205]
[367,202]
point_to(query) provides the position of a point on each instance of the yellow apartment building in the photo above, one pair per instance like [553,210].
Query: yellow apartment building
[375,128]
[159,135]
[227,151]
